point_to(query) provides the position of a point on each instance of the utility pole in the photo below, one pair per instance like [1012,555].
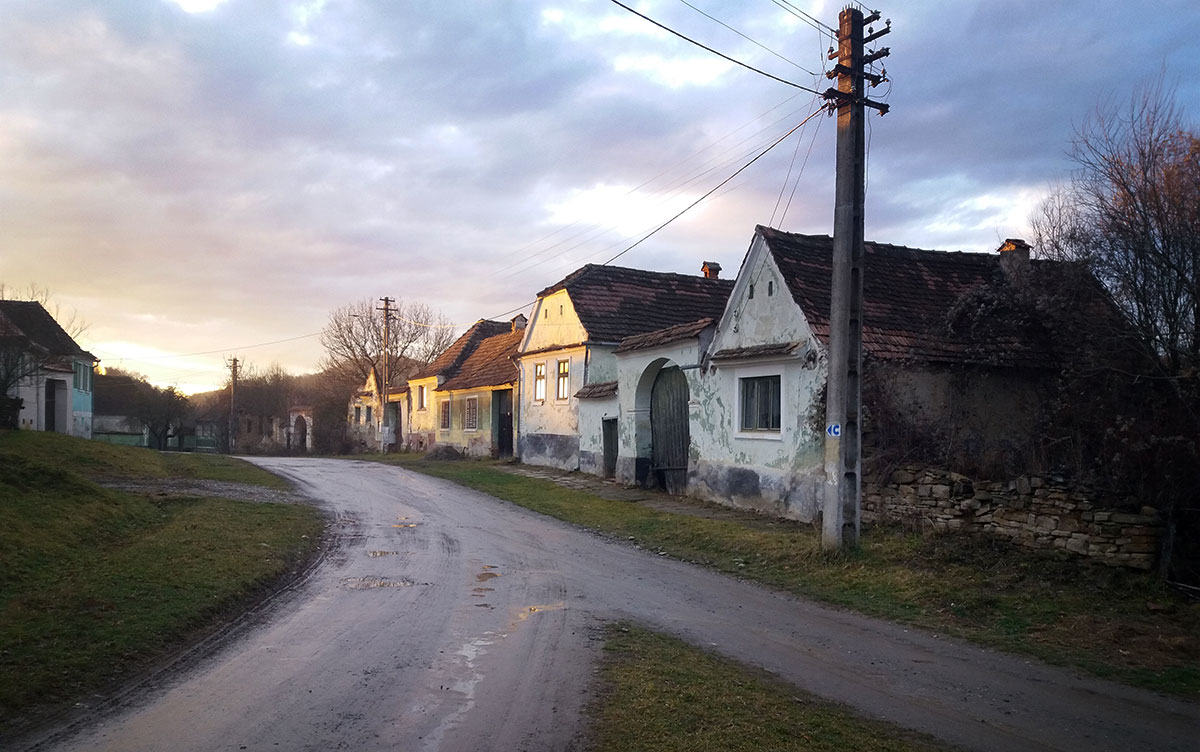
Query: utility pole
[233,422]
[842,497]
[387,318]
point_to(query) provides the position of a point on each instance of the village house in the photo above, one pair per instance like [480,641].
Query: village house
[47,377]
[464,398]
[568,370]
[729,406]
[370,427]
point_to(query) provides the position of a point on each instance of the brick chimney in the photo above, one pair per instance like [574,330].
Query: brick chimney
[1014,258]
[711,269]
[518,322]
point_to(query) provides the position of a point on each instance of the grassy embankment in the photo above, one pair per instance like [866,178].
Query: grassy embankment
[96,584]
[659,694]
[1118,624]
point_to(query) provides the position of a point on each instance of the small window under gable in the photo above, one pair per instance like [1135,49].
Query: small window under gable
[760,403]
[562,386]
[539,382]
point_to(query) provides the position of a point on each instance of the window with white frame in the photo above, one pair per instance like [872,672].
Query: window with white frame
[471,414]
[444,415]
[760,403]
[539,382]
[369,421]
[357,414]
[562,384]
[421,397]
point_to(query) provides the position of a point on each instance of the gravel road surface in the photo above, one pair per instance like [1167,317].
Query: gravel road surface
[444,619]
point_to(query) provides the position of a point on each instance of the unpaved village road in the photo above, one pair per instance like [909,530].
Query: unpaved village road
[445,619]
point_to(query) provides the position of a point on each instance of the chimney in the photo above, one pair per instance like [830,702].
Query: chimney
[711,269]
[518,322]
[1014,258]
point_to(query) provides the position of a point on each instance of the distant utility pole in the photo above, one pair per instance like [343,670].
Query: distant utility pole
[233,422]
[843,396]
[387,318]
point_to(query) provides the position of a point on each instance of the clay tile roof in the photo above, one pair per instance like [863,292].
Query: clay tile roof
[30,319]
[615,302]
[599,390]
[490,363]
[909,300]
[664,336]
[757,351]
[447,364]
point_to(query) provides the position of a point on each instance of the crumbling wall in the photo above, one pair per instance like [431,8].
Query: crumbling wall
[1032,511]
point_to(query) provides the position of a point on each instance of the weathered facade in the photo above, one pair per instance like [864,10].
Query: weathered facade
[731,407]
[375,418]
[465,398]
[51,375]
[569,349]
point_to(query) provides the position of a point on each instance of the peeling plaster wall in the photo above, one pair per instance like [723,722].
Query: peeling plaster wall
[477,442]
[548,432]
[421,430]
[592,413]
[782,472]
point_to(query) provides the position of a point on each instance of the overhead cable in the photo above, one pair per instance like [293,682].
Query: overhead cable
[718,185]
[710,49]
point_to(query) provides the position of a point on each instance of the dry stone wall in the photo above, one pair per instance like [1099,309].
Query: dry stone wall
[1031,511]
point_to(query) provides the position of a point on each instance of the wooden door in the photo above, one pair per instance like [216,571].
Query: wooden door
[609,431]
[669,435]
[504,423]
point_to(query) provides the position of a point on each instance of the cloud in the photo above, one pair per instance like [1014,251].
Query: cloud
[196,176]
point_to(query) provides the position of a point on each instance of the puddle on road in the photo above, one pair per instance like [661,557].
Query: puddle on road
[482,590]
[484,605]
[378,554]
[408,524]
[485,576]
[371,582]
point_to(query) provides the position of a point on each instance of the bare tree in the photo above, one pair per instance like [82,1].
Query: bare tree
[70,320]
[1131,213]
[353,339]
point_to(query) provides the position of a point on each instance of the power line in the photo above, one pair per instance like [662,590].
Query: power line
[748,39]
[710,49]
[806,18]
[715,188]
[214,352]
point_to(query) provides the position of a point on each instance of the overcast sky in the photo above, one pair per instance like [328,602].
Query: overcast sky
[199,176]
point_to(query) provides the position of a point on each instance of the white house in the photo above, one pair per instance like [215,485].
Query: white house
[567,356]
[44,371]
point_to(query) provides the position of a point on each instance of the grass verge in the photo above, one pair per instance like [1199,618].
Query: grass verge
[1114,623]
[658,693]
[96,584]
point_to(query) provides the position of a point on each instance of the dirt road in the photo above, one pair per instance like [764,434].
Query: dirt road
[445,619]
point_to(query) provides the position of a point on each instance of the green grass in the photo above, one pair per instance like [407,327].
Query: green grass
[96,583]
[1114,623]
[658,693]
[96,459]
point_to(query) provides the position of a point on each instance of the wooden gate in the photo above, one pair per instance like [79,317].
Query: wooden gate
[669,436]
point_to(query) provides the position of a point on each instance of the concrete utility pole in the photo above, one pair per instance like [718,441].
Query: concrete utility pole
[233,422]
[387,319]
[843,395]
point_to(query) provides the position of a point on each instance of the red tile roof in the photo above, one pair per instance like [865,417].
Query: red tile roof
[448,363]
[615,302]
[913,302]
[664,336]
[757,351]
[490,363]
[598,390]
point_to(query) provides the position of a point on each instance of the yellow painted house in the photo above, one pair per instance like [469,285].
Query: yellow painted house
[465,397]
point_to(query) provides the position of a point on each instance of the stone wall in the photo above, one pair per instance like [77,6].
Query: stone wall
[1031,511]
